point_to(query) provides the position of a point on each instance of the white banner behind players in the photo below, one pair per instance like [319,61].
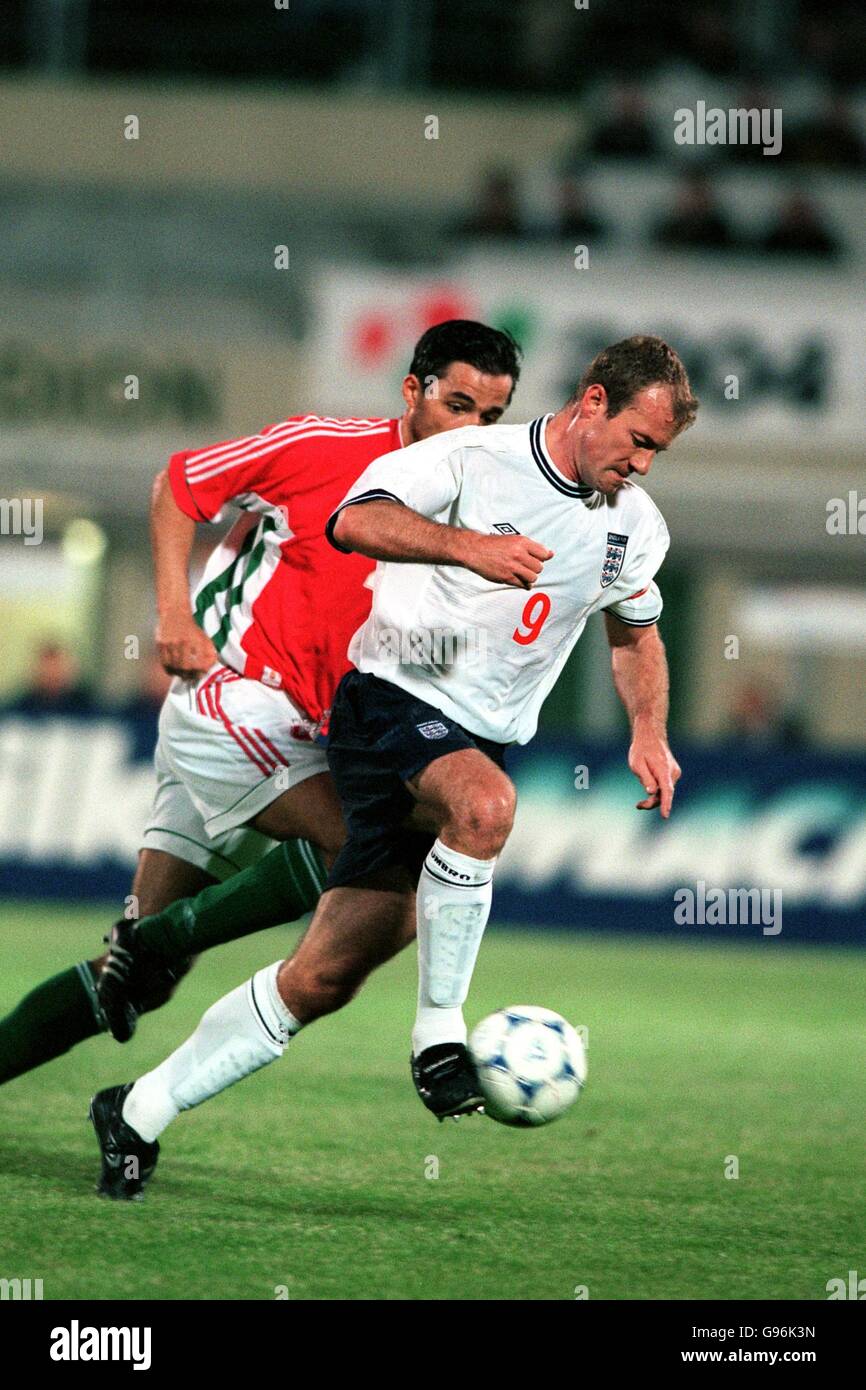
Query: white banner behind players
[770,362]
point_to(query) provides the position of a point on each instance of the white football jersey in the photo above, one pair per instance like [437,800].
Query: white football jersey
[487,654]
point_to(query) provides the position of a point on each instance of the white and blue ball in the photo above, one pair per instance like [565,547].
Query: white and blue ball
[531,1064]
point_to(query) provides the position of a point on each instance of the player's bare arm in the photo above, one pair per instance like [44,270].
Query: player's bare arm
[183,648]
[640,674]
[391,531]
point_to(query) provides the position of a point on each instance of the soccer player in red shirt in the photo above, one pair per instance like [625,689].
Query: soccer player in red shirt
[240,761]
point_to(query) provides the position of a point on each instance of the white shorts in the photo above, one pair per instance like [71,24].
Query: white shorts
[176,826]
[233,745]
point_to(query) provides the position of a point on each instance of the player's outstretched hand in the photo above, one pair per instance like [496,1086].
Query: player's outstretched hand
[513,560]
[652,761]
[183,648]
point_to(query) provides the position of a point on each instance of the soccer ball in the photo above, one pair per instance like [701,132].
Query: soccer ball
[531,1064]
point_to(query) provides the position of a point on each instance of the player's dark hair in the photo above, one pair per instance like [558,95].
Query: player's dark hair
[633,364]
[490,350]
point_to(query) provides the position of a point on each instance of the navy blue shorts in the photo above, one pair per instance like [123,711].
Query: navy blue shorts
[380,736]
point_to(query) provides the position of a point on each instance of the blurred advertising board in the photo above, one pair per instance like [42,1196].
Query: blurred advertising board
[764,358]
[763,844]
[788,828]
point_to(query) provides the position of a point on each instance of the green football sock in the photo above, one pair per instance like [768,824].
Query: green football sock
[284,885]
[49,1021]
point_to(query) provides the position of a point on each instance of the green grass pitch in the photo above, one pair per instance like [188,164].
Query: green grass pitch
[313,1175]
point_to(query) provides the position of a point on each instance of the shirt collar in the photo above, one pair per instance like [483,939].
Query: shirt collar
[545,462]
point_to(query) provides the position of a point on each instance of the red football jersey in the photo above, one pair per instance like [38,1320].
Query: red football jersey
[279,603]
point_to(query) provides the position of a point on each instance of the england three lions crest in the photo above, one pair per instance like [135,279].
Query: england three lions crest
[613,559]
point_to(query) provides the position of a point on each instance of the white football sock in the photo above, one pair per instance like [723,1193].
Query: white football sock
[453,905]
[240,1033]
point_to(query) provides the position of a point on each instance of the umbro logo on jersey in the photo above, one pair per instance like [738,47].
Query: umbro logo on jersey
[505,528]
[613,559]
[434,728]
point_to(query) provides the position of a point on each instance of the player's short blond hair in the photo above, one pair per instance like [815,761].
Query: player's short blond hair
[630,366]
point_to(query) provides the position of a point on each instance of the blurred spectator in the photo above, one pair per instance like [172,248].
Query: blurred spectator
[758,716]
[497,211]
[830,141]
[799,230]
[832,41]
[574,215]
[753,96]
[627,132]
[154,681]
[697,220]
[141,709]
[54,686]
[709,38]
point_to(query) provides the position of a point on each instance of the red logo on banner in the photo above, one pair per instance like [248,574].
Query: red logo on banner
[377,334]
[440,305]
[372,339]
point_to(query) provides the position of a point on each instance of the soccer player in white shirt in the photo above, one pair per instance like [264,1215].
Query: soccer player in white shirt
[454,662]
[494,547]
